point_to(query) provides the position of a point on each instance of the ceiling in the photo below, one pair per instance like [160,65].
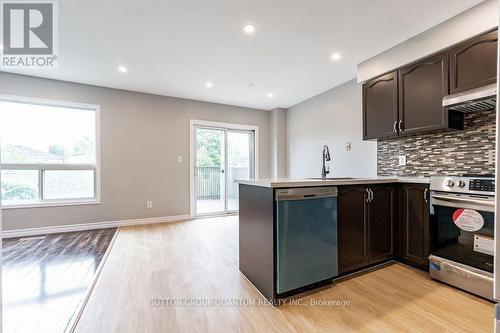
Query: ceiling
[173,47]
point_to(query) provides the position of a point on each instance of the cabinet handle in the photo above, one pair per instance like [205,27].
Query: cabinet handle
[425,195]
[400,126]
[369,193]
[395,126]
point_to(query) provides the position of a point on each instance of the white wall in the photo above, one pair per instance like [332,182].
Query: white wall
[332,118]
[141,137]
[470,23]
[278,143]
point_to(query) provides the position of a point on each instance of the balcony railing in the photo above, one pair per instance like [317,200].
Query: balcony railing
[210,181]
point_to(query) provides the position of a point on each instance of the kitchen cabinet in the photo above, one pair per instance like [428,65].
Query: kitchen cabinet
[414,233]
[352,202]
[422,87]
[366,216]
[380,226]
[409,99]
[473,63]
[380,107]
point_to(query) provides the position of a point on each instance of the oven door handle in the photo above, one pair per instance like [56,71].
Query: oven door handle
[477,204]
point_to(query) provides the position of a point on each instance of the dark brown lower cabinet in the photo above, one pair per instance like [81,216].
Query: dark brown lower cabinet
[351,208]
[393,223]
[365,225]
[380,226]
[414,234]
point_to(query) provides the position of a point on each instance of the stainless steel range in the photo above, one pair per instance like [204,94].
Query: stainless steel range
[462,231]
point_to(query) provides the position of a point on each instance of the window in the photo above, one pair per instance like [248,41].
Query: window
[49,153]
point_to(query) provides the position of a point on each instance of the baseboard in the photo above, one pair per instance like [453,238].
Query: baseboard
[91,226]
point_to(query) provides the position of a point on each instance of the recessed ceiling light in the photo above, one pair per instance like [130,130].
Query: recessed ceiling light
[249,29]
[122,69]
[209,84]
[269,95]
[336,56]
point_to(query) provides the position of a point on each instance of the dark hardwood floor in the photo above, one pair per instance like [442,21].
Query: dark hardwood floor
[45,278]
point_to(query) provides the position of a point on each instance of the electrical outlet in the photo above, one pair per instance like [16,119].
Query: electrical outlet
[179,158]
[149,204]
[402,160]
[348,146]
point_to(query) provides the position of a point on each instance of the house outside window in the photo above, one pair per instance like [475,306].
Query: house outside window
[50,153]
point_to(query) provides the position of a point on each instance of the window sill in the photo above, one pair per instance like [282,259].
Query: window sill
[52,204]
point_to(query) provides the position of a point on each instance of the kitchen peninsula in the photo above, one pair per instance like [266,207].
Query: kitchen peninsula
[299,234]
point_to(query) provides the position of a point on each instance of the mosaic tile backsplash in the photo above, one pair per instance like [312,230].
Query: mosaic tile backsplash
[447,153]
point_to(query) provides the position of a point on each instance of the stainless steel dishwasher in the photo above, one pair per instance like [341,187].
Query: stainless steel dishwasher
[306,233]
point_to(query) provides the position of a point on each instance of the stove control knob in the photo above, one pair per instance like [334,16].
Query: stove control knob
[461,183]
[450,183]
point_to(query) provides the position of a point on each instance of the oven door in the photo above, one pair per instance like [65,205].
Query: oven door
[462,228]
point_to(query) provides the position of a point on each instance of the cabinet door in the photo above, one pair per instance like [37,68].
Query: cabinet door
[381,217]
[474,63]
[351,227]
[415,238]
[422,87]
[380,107]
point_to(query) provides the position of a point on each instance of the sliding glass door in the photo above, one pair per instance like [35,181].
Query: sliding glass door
[239,163]
[209,171]
[221,156]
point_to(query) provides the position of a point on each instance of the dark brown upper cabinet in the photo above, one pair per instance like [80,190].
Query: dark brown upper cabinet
[409,100]
[474,63]
[422,87]
[380,107]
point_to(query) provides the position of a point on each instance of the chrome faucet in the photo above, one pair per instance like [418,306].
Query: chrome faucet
[326,157]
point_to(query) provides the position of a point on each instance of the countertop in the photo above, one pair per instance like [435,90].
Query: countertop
[305,182]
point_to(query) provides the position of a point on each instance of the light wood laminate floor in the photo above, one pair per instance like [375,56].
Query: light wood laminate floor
[151,267]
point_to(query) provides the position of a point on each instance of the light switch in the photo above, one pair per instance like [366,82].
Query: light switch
[179,158]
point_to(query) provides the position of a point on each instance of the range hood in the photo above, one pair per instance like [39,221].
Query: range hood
[478,99]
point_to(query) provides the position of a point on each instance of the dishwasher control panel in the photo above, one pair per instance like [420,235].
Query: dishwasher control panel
[303,193]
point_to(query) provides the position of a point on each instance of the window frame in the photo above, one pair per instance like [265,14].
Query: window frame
[63,167]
